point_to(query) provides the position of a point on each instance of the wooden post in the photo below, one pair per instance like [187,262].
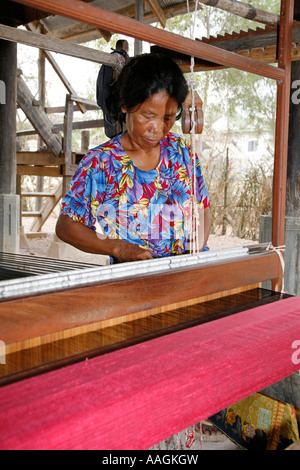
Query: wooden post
[85,141]
[292,219]
[293,166]
[67,142]
[282,128]
[139,15]
[42,99]
[9,200]
[8,71]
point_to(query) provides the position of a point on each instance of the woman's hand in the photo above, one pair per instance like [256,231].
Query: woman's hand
[124,251]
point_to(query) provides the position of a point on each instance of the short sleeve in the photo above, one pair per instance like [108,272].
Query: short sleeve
[87,190]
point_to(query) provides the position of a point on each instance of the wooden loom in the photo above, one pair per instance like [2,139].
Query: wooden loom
[79,391]
[82,358]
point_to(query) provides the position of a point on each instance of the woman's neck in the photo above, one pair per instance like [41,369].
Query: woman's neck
[144,159]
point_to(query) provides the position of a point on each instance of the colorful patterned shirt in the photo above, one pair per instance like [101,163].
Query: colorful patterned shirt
[151,209]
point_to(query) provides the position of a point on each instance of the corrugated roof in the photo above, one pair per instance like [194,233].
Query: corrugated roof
[61,27]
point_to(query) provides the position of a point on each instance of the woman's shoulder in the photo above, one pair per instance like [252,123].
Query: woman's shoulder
[112,146]
[103,152]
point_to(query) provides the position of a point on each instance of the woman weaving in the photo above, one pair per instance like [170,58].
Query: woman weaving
[138,185]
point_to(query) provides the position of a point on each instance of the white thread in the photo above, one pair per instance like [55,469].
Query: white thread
[194,236]
[279,250]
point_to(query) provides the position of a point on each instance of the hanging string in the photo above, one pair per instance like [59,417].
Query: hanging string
[194,235]
[279,250]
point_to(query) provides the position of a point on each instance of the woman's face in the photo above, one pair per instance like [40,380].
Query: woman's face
[148,123]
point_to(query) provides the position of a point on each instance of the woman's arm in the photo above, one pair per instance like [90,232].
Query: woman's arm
[88,240]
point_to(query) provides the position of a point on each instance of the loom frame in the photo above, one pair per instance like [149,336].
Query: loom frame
[199,281]
[86,13]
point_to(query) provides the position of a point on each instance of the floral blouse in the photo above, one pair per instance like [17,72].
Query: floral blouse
[151,209]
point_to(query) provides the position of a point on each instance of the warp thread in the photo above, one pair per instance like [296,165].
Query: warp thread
[194,235]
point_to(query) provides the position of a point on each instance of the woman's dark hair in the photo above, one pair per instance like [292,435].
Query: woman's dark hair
[143,76]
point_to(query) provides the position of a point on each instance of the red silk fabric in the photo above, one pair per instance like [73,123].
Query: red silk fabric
[140,395]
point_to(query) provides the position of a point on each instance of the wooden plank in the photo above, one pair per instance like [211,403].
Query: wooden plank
[36,194]
[245,10]
[113,22]
[45,314]
[38,158]
[261,54]
[61,109]
[47,208]
[91,124]
[68,120]
[105,34]
[56,45]
[84,101]
[36,234]
[31,214]
[158,11]
[38,118]
[52,171]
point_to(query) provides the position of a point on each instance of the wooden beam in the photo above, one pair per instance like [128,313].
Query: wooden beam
[47,209]
[68,120]
[31,214]
[57,68]
[267,55]
[98,17]
[105,34]
[8,68]
[56,45]
[52,171]
[38,158]
[245,10]
[158,11]
[36,194]
[38,118]
[80,125]
[61,109]
[259,44]
[282,128]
